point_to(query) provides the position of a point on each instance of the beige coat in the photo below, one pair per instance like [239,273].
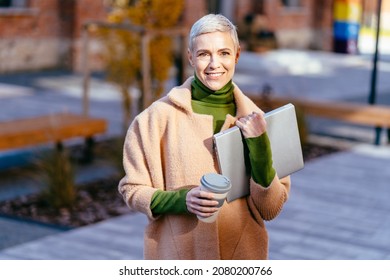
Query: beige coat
[169,147]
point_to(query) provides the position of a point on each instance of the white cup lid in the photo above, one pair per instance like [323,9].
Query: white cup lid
[216,183]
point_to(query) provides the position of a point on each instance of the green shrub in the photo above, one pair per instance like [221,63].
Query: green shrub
[58,173]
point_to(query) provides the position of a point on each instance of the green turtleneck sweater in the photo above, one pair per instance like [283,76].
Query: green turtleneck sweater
[218,104]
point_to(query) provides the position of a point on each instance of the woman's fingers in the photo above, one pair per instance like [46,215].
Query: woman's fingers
[252,125]
[201,203]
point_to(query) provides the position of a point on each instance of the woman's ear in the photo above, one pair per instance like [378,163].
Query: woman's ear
[238,54]
[189,56]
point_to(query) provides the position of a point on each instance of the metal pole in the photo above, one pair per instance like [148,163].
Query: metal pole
[372,97]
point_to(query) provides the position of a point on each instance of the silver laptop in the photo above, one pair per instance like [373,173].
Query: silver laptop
[282,129]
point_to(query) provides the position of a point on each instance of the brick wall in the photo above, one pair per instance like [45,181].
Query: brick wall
[41,35]
[309,26]
[87,10]
[47,34]
[193,10]
[29,38]
[39,20]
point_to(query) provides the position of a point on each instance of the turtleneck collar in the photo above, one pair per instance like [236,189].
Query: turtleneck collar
[202,93]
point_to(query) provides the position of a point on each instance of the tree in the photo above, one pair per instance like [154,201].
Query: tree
[123,47]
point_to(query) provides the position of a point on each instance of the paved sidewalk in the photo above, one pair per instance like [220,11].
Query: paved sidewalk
[114,239]
[16,231]
[338,209]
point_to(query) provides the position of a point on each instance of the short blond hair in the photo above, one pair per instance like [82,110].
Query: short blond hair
[213,23]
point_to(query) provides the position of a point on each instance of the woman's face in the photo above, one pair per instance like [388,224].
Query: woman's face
[214,59]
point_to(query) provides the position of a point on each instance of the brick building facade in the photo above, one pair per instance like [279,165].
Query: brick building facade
[39,34]
[296,23]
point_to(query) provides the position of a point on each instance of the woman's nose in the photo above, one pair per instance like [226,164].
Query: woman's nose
[214,61]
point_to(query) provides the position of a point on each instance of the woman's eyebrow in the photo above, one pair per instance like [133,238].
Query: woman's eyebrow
[219,50]
[202,50]
[225,49]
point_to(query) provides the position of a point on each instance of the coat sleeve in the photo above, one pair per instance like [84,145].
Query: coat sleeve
[265,202]
[141,165]
[268,202]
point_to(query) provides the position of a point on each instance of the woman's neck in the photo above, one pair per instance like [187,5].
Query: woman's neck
[202,93]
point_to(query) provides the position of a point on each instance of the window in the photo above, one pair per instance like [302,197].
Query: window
[292,3]
[16,7]
[13,3]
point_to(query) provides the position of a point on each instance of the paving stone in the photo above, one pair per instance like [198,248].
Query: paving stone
[12,231]
[336,212]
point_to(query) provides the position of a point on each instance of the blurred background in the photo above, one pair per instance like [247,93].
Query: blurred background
[74,73]
[38,35]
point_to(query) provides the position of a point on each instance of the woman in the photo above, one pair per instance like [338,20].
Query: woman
[169,147]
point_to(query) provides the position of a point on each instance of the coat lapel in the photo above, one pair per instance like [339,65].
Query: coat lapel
[244,107]
[181,97]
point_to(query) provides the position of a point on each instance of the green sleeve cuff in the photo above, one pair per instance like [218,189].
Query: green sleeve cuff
[169,202]
[260,156]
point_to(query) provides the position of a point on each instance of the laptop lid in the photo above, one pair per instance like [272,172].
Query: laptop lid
[283,133]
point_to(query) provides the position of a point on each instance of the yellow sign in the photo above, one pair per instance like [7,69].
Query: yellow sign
[349,11]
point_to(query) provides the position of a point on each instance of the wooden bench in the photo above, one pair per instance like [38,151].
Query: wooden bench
[54,128]
[377,116]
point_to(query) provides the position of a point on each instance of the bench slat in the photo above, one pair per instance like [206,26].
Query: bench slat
[373,115]
[48,129]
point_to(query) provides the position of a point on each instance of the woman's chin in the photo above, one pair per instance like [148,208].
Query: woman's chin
[215,85]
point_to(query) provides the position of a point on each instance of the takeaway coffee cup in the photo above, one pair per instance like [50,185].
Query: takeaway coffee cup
[220,186]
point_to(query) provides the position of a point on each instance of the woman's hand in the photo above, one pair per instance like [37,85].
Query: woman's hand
[201,203]
[252,125]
